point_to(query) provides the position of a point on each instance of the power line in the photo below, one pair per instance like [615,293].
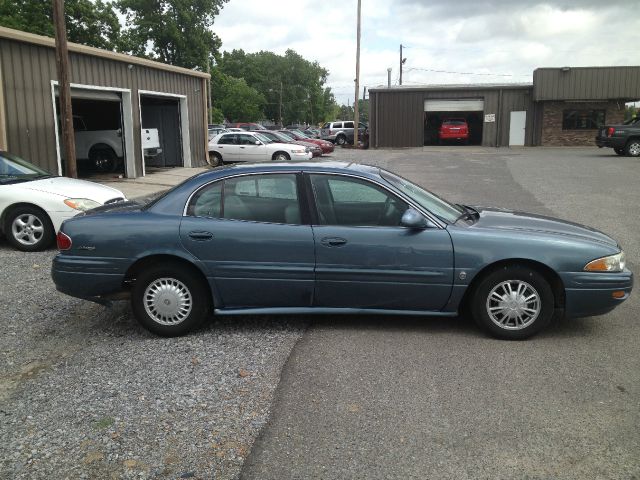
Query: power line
[467,73]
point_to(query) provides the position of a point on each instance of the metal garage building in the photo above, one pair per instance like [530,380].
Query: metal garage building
[563,106]
[110,92]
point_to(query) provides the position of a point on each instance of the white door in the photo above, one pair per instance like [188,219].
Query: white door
[516,128]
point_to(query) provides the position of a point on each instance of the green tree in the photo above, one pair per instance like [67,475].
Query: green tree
[92,23]
[177,32]
[288,82]
[234,100]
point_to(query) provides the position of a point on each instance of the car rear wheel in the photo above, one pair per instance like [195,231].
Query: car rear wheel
[170,300]
[633,148]
[104,160]
[281,157]
[29,229]
[341,139]
[618,150]
[513,303]
[214,159]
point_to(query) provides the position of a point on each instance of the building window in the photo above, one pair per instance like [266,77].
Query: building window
[582,119]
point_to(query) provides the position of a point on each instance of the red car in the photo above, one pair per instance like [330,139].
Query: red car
[327,147]
[279,137]
[454,129]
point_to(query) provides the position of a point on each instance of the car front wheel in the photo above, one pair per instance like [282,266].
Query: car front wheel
[513,303]
[281,157]
[29,229]
[170,300]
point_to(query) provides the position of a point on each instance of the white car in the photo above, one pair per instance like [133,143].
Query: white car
[252,147]
[34,203]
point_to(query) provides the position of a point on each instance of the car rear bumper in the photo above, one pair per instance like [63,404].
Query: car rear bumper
[453,136]
[590,294]
[610,142]
[87,278]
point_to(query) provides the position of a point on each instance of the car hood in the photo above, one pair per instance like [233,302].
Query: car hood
[500,219]
[73,188]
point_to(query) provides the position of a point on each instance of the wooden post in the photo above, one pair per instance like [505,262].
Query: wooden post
[62,62]
[356,113]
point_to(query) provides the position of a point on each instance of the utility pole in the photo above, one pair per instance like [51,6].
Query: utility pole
[281,124]
[389,77]
[401,63]
[356,113]
[66,115]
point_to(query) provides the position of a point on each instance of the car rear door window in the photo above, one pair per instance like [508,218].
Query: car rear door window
[355,202]
[227,140]
[207,202]
[348,124]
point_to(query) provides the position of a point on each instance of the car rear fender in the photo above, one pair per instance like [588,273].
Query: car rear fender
[166,258]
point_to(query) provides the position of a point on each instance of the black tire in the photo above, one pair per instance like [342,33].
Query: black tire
[281,156]
[341,140]
[632,149]
[104,159]
[496,281]
[173,277]
[214,159]
[29,229]
[618,150]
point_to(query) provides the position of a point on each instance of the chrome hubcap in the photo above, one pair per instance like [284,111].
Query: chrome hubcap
[634,149]
[27,229]
[167,301]
[513,305]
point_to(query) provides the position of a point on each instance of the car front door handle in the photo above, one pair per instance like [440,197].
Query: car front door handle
[333,241]
[201,236]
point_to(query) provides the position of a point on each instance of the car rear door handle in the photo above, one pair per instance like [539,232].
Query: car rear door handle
[201,236]
[333,241]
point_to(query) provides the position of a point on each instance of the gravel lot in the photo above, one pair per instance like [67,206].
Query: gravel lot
[86,393]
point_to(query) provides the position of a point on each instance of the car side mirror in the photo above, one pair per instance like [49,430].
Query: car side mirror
[415,220]
[258,142]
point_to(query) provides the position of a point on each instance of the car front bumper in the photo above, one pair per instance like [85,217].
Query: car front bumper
[589,293]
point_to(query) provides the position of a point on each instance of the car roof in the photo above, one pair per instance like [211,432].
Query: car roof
[327,166]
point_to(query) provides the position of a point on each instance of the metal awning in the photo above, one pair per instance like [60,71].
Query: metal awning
[457,105]
[90,94]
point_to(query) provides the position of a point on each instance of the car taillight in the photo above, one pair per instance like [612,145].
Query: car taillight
[64,241]
[610,131]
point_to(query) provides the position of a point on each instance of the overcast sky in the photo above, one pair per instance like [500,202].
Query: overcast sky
[507,39]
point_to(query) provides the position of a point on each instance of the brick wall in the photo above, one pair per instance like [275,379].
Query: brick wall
[552,133]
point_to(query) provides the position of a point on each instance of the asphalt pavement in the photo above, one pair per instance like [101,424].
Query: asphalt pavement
[434,398]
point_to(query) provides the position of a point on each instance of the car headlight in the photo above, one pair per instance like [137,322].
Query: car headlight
[297,150]
[612,263]
[81,204]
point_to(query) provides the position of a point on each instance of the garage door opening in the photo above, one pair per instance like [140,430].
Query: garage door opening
[98,131]
[469,111]
[161,131]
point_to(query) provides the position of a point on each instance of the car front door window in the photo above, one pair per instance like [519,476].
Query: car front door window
[355,202]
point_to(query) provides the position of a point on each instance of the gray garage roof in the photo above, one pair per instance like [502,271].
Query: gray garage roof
[586,83]
[459,86]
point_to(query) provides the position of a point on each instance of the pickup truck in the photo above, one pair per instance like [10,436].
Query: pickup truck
[624,139]
[104,149]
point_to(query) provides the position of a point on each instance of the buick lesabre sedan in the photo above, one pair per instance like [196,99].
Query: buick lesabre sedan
[334,238]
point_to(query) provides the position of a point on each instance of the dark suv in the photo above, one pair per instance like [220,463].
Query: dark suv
[624,139]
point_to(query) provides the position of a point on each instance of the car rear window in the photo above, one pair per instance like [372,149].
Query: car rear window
[454,122]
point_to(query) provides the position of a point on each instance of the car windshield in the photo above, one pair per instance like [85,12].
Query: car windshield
[427,200]
[301,134]
[281,137]
[286,135]
[14,169]
[263,138]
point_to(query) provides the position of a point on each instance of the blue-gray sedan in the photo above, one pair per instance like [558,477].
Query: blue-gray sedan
[334,238]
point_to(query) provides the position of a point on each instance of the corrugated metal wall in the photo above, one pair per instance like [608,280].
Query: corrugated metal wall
[397,117]
[586,83]
[27,71]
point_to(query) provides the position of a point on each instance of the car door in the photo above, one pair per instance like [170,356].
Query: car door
[365,259]
[253,239]
[249,151]
[228,147]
